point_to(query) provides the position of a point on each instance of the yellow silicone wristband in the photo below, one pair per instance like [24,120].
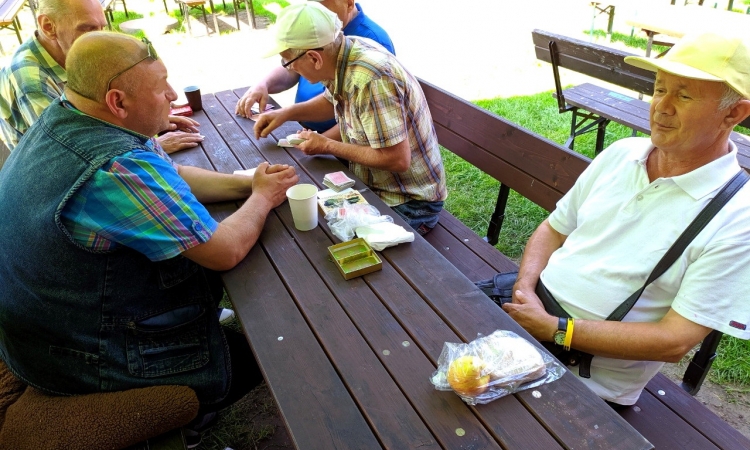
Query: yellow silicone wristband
[569,334]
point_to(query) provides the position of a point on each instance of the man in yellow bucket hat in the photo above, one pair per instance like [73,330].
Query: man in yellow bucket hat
[628,208]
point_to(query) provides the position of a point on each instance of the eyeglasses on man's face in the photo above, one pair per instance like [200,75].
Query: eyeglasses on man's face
[151,54]
[285,64]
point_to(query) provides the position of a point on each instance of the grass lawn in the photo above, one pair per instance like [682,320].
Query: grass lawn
[259,7]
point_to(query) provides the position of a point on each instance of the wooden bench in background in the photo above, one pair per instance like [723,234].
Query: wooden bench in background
[543,171]
[592,106]
[9,10]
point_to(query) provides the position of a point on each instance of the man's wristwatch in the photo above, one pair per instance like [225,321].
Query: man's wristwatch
[562,329]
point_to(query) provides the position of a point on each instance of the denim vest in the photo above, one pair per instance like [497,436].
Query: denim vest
[76,321]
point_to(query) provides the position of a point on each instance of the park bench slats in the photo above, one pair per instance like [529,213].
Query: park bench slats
[663,427]
[612,105]
[607,64]
[690,410]
[604,63]
[502,149]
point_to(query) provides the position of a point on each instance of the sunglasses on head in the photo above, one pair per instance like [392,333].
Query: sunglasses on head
[151,54]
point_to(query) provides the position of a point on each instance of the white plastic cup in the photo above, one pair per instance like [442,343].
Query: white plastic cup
[303,200]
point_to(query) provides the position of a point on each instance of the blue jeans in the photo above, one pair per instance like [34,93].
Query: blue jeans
[420,215]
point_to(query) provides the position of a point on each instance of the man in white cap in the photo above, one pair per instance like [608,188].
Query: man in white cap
[628,207]
[384,123]
[355,23]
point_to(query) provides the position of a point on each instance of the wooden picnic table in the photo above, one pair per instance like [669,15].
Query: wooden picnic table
[349,362]
[676,21]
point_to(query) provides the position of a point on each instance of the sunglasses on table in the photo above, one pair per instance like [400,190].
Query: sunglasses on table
[151,54]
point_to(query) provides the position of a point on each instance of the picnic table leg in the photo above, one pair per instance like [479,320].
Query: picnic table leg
[213,12]
[611,22]
[250,12]
[236,6]
[17,27]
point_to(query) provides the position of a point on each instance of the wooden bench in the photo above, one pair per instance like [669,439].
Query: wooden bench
[9,16]
[593,106]
[543,171]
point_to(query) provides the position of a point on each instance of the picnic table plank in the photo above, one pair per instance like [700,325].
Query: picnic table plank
[282,342]
[372,388]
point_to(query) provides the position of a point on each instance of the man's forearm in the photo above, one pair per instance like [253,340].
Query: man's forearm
[234,237]
[667,340]
[393,159]
[542,243]
[209,186]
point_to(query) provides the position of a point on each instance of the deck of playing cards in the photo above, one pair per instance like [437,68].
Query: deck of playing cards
[181,111]
[338,181]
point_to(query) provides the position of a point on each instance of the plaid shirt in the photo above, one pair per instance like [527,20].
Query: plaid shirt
[140,201]
[379,104]
[28,85]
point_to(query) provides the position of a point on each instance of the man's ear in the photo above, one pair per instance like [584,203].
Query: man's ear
[349,6]
[47,27]
[317,57]
[737,113]
[115,100]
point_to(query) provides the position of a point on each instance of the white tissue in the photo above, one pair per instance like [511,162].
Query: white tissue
[384,234]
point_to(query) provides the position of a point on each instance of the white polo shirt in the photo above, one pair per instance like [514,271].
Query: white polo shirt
[619,225]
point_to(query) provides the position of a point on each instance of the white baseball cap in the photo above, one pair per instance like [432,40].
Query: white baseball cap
[304,26]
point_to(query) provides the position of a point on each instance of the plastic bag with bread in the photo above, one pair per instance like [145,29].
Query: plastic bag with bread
[490,367]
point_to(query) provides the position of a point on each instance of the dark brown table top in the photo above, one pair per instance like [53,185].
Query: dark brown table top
[349,362]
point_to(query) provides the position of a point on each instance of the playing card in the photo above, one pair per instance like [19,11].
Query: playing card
[255,109]
[181,111]
[284,143]
[338,178]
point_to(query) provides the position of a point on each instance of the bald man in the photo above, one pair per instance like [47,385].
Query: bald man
[108,275]
[36,75]
[355,23]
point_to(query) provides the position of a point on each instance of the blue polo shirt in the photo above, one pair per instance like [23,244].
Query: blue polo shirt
[361,26]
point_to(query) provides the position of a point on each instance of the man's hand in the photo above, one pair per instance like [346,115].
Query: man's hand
[269,121]
[528,311]
[314,144]
[272,181]
[180,123]
[256,94]
[178,140]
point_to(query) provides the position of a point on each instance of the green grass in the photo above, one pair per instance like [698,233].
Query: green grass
[119,17]
[630,41]
[259,8]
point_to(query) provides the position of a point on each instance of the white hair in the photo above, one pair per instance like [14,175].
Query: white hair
[55,9]
[729,98]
